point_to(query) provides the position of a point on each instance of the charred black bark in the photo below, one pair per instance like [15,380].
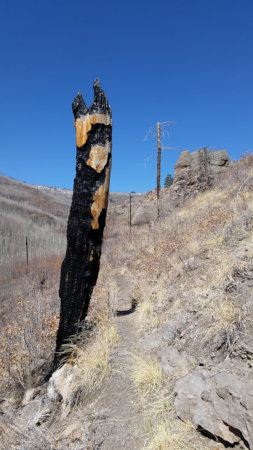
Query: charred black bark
[87,214]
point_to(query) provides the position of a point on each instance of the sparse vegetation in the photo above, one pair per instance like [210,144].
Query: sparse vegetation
[29,292]
[168,180]
[190,275]
[146,318]
[29,324]
[227,321]
[28,213]
[170,437]
[90,352]
[147,374]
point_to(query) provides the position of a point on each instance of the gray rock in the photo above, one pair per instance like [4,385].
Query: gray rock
[198,171]
[168,332]
[194,172]
[174,363]
[221,403]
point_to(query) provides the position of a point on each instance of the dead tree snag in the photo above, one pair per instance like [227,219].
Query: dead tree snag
[88,212]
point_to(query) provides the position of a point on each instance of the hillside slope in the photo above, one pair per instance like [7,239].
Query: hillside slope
[165,358]
[32,213]
[39,214]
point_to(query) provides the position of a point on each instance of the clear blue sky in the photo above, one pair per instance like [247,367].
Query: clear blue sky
[189,61]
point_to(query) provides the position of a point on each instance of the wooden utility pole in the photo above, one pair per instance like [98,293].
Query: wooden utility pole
[130,210]
[158,173]
[26,248]
[159,132]
[87,215]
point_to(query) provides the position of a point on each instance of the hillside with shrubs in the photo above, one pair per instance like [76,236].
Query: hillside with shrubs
[165,358]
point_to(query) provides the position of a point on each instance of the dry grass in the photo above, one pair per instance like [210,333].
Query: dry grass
[184,263]
[227,319]
[146,318]
[193,254]
[166,436]
[105,295]
[147,374]
[91,355]
[165,431]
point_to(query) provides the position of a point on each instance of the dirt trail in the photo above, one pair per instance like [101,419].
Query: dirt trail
[118,422]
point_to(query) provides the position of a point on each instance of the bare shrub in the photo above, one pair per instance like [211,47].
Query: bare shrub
[29,325]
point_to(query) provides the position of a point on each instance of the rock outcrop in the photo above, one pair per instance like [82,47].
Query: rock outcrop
[219,403]
[198,171]
[194,172]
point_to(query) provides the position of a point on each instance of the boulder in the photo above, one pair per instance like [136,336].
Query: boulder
[199,170]
[176,364]
[220,404]
[62,387]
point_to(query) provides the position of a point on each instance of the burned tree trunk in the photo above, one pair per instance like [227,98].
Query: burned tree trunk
[87,214]
[158,171]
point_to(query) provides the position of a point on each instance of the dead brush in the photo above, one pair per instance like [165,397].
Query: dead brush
[28,332]
[238,171]
[90,354]
[146,374]
[227,320]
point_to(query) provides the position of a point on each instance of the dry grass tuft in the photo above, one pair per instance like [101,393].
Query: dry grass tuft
[227,320]
[146,318]
[147,374]
[91,356]
[165,430]
[167,436]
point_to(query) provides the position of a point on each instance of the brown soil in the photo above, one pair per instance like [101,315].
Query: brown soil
[118,420]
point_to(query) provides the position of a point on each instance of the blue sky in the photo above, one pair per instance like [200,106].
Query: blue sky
[188,61]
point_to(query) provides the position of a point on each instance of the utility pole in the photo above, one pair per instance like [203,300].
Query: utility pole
[26,247]
[130,209]
[158,173]
[158,132]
